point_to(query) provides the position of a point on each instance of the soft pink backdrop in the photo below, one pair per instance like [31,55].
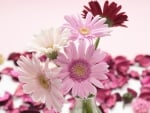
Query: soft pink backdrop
[21,19]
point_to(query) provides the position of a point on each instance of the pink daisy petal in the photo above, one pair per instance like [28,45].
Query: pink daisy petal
[96,82]
[81,49]
[67,85]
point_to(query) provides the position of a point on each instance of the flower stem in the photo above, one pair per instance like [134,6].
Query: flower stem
[87,107]
[97,42]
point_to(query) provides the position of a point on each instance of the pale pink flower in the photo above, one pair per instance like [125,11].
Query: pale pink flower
[82,69]
[90,27]
[140,106]
[41,82]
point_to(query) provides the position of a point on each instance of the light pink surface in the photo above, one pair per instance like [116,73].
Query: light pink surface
[21,19]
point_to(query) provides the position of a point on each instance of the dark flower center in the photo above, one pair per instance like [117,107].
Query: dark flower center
[79,70]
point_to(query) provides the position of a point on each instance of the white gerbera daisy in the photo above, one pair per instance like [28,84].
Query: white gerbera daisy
[41,82]
[49,40]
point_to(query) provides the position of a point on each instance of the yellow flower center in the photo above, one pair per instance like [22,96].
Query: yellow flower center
[84,30]
[1,59]
[79,70]
[50,46]
[44,82]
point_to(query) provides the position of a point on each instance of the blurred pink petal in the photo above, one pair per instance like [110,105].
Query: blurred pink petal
[6,70]
[28,54]
[43,58]
[4,100]
[8,105]
[145,89]
[143,60]
[14,57]
[140,106]
[109,61]
[134,74]
[145,96]
[120,59]
[132,92]
[118,96]
[16,110]
[19,91]
[146,72]
[123,67]
[111,100]
[121,81]
[11,72]
[49,111]
[102,95]
[146,81]
[72,102]
[104,108]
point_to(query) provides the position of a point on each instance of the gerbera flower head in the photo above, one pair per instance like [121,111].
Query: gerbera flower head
[109,11]
[90,27]
[50,41]
[41,82]
[82,69]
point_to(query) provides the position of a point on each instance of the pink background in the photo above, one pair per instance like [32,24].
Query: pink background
[21,19]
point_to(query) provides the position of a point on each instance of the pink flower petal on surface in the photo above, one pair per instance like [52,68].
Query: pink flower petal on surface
[121,81]
[102,94]
[14,57]
[145,89]
[5,99]
[19,91]
[123,67]
[143,60]
[111,100]
[146,72]
[146,81]
[132,92]
[145,96]
[11,72]
[134,74]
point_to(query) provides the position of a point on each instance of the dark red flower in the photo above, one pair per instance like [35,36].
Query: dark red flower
[109,11]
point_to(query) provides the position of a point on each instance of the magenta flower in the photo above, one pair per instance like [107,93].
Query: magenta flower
[140,106]
[82,69]
[90,27]
[111,11]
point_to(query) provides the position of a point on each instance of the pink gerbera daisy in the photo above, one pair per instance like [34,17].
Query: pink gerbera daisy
[41,82]
[90,27]
[82,69]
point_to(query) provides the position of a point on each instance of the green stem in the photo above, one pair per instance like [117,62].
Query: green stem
[97,42]
[87,107]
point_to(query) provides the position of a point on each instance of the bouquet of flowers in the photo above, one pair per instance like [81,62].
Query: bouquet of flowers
[67,62]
